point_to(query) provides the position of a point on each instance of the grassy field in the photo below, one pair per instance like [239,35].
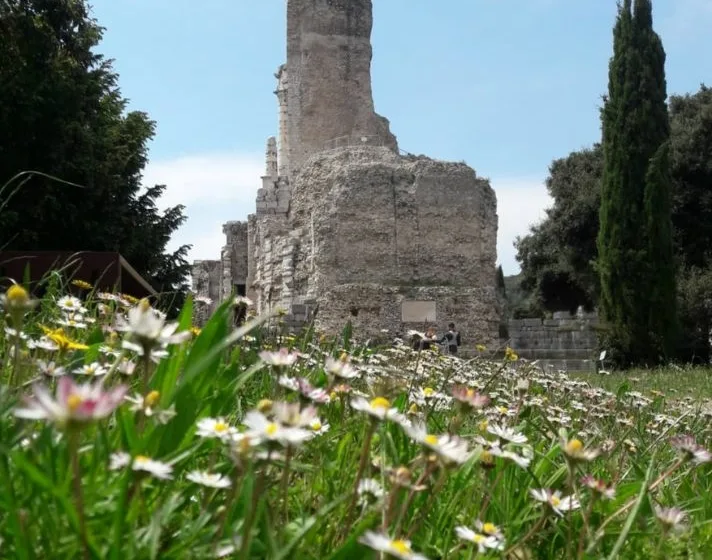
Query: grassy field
[674,382]
[123,435]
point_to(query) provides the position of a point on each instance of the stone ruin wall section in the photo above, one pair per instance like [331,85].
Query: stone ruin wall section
[379,229]
[206,282]
[234,257]
[329,77]
[564,341]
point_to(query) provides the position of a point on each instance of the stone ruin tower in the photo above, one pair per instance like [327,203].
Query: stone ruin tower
[344,224]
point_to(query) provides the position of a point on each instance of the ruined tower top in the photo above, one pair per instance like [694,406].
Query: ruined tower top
[329,96]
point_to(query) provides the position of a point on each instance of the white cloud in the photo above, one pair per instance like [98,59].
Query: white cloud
[521,203]
[214,187]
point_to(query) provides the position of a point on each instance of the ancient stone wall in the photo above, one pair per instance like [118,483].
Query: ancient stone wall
[329,76]
[234,258]
[378,230]
[206,282]
[565,341]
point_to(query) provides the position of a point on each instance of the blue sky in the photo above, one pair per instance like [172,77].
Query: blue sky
[505,85]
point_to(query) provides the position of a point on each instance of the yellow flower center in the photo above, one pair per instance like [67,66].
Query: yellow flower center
[74,402]
[574,446]
[477,538]
[271,429]
[152,398]
[141,459]
[265,405]
[402,547]
[470,392]
[344,357]
[428,391]
[431,439]
[413,408]
[486,457]
[17,295]
[144,305]
[244,446]
[333,395]
[316,425]
[483,425]
[220,427]
[555,501]
[380,402]
[503,409]
[489,528]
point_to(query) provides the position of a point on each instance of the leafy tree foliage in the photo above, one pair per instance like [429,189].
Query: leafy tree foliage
[61,113]
[557,256]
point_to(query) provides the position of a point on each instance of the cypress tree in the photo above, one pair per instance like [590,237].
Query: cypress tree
[635,262]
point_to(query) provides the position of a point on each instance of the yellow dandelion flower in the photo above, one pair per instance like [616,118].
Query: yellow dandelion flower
[81,284]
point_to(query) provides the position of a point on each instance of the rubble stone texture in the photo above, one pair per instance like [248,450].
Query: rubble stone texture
[343,223]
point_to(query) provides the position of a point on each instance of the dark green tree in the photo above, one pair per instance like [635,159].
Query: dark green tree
[634,261]
[61,113]
[556,257]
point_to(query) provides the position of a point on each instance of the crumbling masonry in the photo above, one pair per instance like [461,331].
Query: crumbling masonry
[346,224]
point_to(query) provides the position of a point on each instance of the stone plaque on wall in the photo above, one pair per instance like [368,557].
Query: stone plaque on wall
[418,312]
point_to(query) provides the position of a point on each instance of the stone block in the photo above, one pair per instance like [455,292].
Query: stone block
[532,322]
[418,312]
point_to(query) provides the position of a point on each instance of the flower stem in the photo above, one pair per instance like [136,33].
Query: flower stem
[365,453]
[77,485]
[252,514]
[285,484]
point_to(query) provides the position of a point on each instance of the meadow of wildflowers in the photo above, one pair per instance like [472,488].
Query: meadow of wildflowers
[125,435]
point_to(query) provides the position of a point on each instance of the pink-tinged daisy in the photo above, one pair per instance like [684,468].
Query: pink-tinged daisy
[691,450]
[282,358]
[74,404]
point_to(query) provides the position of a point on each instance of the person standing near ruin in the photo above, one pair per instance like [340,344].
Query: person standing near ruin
[451,339]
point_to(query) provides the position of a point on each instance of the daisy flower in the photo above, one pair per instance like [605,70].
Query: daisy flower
[141,463]
[690,450]
[521,461]
[575,451]
[378,408]
[292,414]
[599,487]
[211,480]
[470,397]
[450,449]
[73,403]
[94,369]
[282,358]
[146,328]
[672,519]
[215,428]
[369,490]
[555,501]
[507,434]
[396,548]
[50,369]
[340,368]
[483,542]
[70,304]
[265,429]
[489,529]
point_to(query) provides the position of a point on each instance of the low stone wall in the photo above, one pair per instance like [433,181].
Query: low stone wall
[565,341]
